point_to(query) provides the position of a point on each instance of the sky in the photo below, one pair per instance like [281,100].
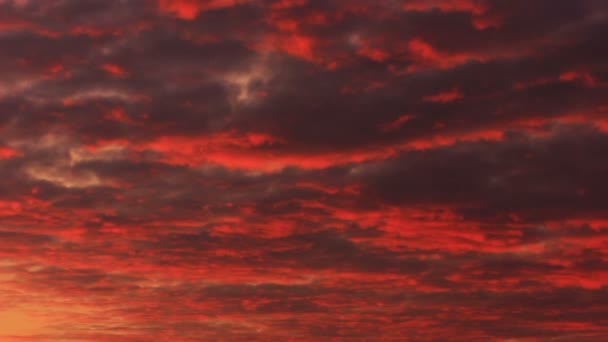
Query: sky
[303,170]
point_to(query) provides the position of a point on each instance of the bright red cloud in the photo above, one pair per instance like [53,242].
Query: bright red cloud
[7,152]
[189,9]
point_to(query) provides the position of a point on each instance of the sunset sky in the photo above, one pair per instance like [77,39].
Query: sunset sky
[303,170]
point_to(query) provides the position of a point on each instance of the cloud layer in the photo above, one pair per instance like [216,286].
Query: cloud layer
[303,170]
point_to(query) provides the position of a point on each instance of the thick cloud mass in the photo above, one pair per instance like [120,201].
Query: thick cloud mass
[303,170]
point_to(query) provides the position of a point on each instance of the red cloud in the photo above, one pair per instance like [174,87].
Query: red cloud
[114,70]
[7,152]
[481,19]
[296,170]
[189,9]
[446,96]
